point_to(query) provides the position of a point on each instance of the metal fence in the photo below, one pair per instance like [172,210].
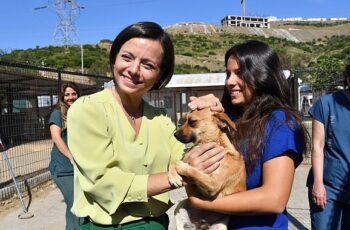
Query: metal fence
[28,94]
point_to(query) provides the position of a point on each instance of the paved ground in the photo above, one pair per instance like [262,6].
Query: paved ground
[48,208]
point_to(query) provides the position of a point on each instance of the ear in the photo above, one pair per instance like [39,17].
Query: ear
[224,121]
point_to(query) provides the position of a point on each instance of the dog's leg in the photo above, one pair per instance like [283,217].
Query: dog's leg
[174,178]
[182,217]
[206,183]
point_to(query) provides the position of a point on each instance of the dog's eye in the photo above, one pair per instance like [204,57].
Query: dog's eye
[191,122]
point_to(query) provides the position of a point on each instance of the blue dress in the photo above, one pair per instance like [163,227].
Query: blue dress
[280,137]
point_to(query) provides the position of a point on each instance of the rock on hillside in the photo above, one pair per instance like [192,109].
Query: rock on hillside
[292,33]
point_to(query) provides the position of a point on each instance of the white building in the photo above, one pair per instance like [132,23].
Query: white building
[245,21]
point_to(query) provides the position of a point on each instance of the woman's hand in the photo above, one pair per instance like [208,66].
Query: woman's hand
[205,157]
[319,195]
[205,101]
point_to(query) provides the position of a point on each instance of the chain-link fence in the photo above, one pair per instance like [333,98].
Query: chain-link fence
[28,94]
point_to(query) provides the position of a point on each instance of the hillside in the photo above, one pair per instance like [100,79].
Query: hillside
[281,30]
[200,48]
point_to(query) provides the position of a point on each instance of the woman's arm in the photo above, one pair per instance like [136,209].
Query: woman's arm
[271,197]
[55,131]
[206,157]
[317,156]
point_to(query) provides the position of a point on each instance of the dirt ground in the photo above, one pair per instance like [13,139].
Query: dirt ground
[14,203]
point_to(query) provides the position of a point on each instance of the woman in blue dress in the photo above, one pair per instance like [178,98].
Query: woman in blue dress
[269,134]
[61,164]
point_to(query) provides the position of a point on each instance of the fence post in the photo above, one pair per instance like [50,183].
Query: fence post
[9,99]
[295,89]
[59,79]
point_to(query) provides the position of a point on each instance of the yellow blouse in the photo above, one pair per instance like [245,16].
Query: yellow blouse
[113,164]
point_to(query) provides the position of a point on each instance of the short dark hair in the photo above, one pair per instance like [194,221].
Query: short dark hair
[153,31]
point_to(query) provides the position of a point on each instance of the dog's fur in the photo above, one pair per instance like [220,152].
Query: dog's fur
[203,126]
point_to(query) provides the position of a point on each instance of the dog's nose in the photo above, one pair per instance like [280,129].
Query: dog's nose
[179,136]
[176,135]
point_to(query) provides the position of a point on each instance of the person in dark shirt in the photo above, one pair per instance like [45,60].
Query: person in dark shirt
[61,164]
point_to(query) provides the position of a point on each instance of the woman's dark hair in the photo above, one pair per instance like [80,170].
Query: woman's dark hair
[260,69]
[62,105]
[346,74]
[153,31]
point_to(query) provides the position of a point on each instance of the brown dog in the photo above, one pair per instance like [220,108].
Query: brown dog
[203,126]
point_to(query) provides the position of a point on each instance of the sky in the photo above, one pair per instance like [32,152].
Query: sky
[27,24]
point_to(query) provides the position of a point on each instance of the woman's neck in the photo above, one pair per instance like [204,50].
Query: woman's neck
[131,104]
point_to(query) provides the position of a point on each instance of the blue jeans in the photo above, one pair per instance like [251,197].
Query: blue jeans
[66,185]
[335,215]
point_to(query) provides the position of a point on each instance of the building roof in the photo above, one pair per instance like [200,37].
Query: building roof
[197,80]
[202,79]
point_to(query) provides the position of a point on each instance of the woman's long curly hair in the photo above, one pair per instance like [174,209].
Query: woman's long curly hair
[63,107]
[260,68]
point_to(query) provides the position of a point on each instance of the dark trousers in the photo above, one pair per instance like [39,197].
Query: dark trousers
[65,184]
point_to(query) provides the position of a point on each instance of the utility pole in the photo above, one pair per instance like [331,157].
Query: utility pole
[243,8]
[82,57]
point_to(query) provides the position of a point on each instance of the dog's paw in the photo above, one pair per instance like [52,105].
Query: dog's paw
[182,168]
[175,180]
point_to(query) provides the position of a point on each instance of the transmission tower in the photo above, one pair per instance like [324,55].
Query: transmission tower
[65,31]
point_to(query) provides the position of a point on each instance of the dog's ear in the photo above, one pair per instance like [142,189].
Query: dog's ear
[224,121]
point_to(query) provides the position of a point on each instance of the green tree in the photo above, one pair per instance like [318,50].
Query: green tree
[326,70]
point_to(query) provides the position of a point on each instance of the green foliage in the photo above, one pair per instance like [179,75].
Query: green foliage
[325,70]
[61,57]
[195,53]
[317,24]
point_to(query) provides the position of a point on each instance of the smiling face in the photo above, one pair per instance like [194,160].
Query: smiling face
[70,96]
[137,65]
[241,93]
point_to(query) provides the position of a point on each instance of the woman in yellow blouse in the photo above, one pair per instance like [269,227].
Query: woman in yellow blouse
[123,146]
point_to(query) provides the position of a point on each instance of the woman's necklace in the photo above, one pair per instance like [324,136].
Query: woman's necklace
[133,119]
[132,116]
